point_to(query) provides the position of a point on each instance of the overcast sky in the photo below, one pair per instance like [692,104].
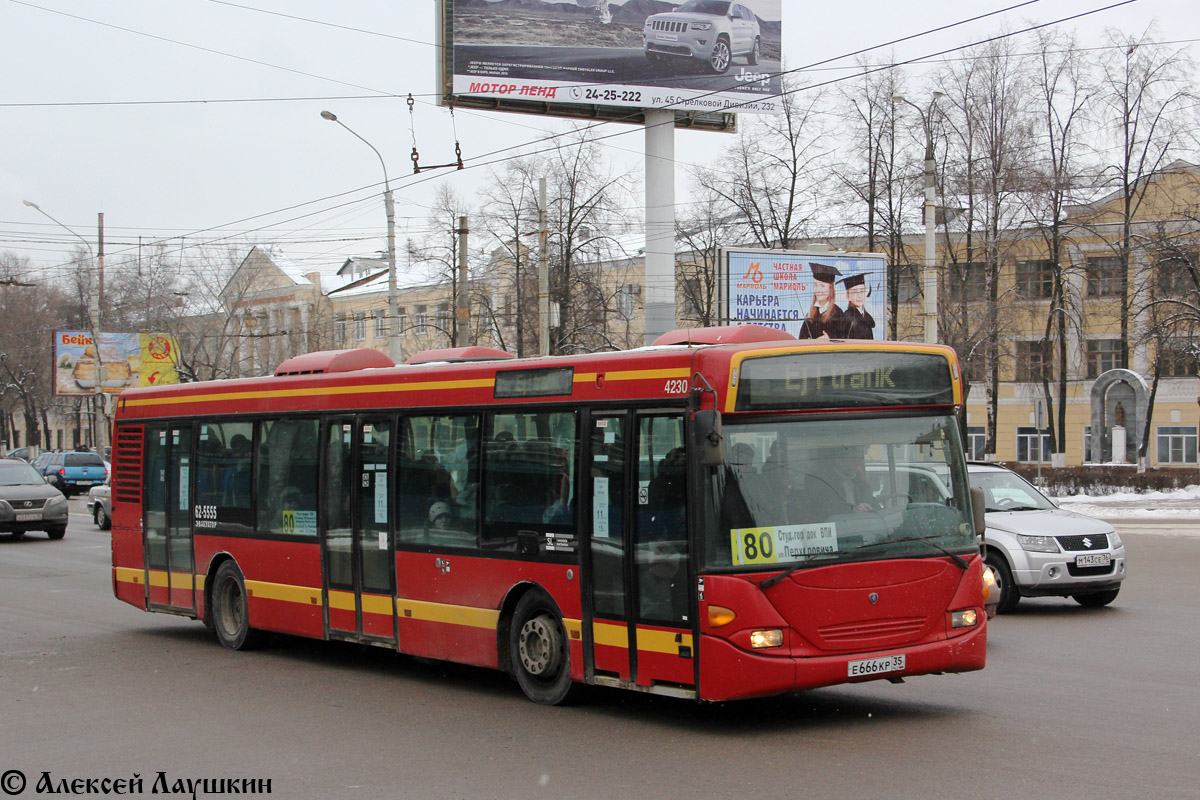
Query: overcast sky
[120,107]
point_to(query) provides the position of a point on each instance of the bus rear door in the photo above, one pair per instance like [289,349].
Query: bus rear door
[170,578]
[356,539]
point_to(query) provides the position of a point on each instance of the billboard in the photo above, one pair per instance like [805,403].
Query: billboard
[120,361]
[810,294]
[582,57]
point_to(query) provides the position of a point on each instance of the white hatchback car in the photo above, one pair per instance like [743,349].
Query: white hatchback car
[1037,549]
[713,31]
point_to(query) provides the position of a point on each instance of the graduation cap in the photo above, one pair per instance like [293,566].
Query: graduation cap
[850,281]
[824,273]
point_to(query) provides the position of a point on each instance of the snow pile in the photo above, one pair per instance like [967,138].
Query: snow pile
[1128,504]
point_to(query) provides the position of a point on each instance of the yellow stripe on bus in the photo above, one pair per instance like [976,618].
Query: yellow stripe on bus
[292,594]
[378,388]
[636,375]
[127,575]
[662,641]
[316,391]
[442,612]
[611,634]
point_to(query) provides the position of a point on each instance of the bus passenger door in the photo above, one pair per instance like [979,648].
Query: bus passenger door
[357,543]
[167,523]
[641,627]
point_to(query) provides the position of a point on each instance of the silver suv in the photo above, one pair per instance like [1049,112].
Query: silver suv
[713,31]
[1037,549]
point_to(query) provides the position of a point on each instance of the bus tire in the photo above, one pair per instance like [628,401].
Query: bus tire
[538,649]
[230,611]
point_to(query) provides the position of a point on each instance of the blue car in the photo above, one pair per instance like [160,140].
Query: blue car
[72,472]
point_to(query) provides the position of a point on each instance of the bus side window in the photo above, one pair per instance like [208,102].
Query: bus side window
[529,480]
[438,481]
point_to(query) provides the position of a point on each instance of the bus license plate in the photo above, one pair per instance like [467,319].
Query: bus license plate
[28,517]
[875,666]
[1093,560]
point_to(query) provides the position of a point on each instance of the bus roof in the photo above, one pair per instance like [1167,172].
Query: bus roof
[661,372]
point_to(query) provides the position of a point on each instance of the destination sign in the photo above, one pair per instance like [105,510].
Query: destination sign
[551,382]
[853,379]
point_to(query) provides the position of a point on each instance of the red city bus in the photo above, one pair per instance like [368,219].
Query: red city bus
[730,513]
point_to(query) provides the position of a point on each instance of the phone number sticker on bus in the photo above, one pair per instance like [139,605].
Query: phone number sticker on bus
[782,543]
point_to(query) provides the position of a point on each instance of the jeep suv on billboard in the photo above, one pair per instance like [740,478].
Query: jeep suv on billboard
[713,31]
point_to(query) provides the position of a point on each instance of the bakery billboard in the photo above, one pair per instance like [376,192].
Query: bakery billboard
[117,362]
[818,294]
[697,56]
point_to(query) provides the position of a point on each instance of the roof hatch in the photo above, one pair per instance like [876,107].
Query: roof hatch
[724,334]
[327,361]
[459,354]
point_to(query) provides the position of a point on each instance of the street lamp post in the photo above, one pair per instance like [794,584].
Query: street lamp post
[930,277]
[389,206]
[93,323]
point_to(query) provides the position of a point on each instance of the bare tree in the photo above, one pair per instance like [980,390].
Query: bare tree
[1140,90]
[510,218]
[988,135]
[880,171]
[438,251]
[772,178]
[1063,92]
[700,233]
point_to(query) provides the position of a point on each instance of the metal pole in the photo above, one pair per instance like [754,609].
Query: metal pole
[390,207]
[94,302]
[393,320]
[931,276]
[543,273]
[462,309]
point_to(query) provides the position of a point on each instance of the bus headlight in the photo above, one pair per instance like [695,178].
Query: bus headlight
[761,640]
[964,619]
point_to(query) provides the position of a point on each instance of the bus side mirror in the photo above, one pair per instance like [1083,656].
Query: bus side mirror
[707,437]
[978,504]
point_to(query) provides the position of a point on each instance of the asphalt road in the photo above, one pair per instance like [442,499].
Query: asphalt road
[1074,703]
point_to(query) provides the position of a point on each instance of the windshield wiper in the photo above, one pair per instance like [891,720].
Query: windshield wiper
[774,579]
[958,560]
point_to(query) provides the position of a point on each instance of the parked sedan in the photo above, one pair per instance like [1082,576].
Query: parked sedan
[100,505]
[1037,549]
[27,503]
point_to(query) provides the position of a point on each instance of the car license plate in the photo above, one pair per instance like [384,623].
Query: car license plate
[1093,560]
[83,483]
[666,37]
[28,517]
[875,666]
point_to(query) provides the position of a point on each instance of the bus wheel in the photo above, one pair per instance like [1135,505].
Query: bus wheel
[231,617]
[537,645]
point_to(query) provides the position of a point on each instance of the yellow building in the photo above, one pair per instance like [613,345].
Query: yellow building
[1121,328]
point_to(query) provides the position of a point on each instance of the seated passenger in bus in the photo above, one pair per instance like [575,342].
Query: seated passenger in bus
[665,511]
[840,485]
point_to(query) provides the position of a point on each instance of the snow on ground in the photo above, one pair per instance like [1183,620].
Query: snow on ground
[1181,503]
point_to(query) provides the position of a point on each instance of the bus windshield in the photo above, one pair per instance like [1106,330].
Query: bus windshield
[794,491]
